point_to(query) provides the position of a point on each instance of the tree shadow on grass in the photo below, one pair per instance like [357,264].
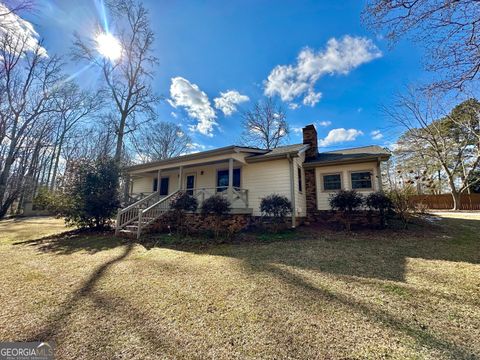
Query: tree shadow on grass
[70,242]
[420,334]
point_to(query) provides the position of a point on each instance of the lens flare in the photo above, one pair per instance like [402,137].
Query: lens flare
[108,46]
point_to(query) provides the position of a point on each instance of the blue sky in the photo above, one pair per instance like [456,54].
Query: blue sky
[211,47]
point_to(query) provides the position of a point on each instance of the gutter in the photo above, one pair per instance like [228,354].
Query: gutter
[292,190]
[314,164]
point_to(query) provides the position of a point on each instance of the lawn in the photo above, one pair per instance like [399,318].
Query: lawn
[413,294]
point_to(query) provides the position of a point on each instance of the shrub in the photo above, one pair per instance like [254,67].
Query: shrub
[55,202]
[181,203]
[218,206]
[402,205]
[92,194]
[346,202]
[382,203]
[184,202]
[277,207]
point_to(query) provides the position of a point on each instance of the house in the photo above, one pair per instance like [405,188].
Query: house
[245,175]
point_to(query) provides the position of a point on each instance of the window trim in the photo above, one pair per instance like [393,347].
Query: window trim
[322,183]
[239,168]
[372,175]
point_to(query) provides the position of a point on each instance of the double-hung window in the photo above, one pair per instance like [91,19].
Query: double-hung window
[332,182]
[361,180]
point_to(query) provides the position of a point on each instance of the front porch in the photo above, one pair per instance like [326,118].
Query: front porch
[154,189]
[200,180]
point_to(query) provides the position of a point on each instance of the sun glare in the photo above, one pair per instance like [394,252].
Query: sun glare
[108,46]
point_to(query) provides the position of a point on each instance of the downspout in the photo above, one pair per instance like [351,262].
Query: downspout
[292,189]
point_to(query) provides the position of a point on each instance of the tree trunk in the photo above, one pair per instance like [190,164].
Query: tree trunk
[57,159]
[119,147]
[456,200]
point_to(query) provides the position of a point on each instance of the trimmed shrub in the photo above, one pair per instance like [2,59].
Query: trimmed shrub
[277,207]
[380,202]
[181,203]
[346,202]
[217,206]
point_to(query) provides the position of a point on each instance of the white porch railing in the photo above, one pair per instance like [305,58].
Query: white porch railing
[129,214]
[238,197]
[153,212]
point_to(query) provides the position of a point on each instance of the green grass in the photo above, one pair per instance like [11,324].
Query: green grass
[310,293]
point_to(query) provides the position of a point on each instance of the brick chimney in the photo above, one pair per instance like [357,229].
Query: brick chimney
[310,138]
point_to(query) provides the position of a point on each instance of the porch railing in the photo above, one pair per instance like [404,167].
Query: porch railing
[129,214]
[238,197]
[153,212]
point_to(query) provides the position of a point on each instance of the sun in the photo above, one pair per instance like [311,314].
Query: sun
[108,46]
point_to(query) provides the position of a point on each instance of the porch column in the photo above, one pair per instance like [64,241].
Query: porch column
[230,179]
[180,177]
[159,180]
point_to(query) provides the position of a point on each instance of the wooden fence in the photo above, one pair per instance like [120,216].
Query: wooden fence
[445,201]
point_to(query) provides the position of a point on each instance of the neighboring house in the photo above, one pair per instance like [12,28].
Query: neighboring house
[245,175]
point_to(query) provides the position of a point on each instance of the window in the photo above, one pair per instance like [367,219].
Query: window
[361,180]
[332,182]
[300,185]
[163,185]
[222,179]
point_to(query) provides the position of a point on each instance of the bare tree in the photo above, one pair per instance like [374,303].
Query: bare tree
[158,140]
[448,29]
[451,139]
[73,106]
[265,125]
[127,79]
[29,83]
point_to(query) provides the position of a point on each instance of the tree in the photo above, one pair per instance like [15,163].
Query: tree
[158,140]
[380,202]
[448,30]
[73,105]
[450,139]
[92,194]
[127,75]
[265,125]
[29,84]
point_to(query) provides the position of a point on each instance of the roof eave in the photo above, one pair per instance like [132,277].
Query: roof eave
[381,157]
[195,156]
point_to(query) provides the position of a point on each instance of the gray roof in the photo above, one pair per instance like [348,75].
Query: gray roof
[350,155]
[279,152]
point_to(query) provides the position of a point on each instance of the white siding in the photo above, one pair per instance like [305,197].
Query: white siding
[142,185]
[344,170]
[265,178]
[300,198]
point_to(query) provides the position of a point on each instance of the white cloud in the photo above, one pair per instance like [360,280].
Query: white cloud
[359,110]
[339,57]
[293,106]
[196,103]
[296,129]
[376,135]
[340,135]
[227,101]
[312,98]
[325,123]
[19,29]
[174,115]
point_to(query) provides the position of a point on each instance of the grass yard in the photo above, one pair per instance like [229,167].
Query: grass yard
[413,294]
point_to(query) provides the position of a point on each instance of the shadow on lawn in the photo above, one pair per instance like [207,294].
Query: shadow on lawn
[379,254]
[70,242]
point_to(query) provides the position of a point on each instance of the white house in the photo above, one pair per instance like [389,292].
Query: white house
[245,175]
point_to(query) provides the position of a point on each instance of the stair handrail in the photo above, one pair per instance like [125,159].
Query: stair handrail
[133,216]
[143,212]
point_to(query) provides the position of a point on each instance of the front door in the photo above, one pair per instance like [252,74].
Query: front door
[190,184]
